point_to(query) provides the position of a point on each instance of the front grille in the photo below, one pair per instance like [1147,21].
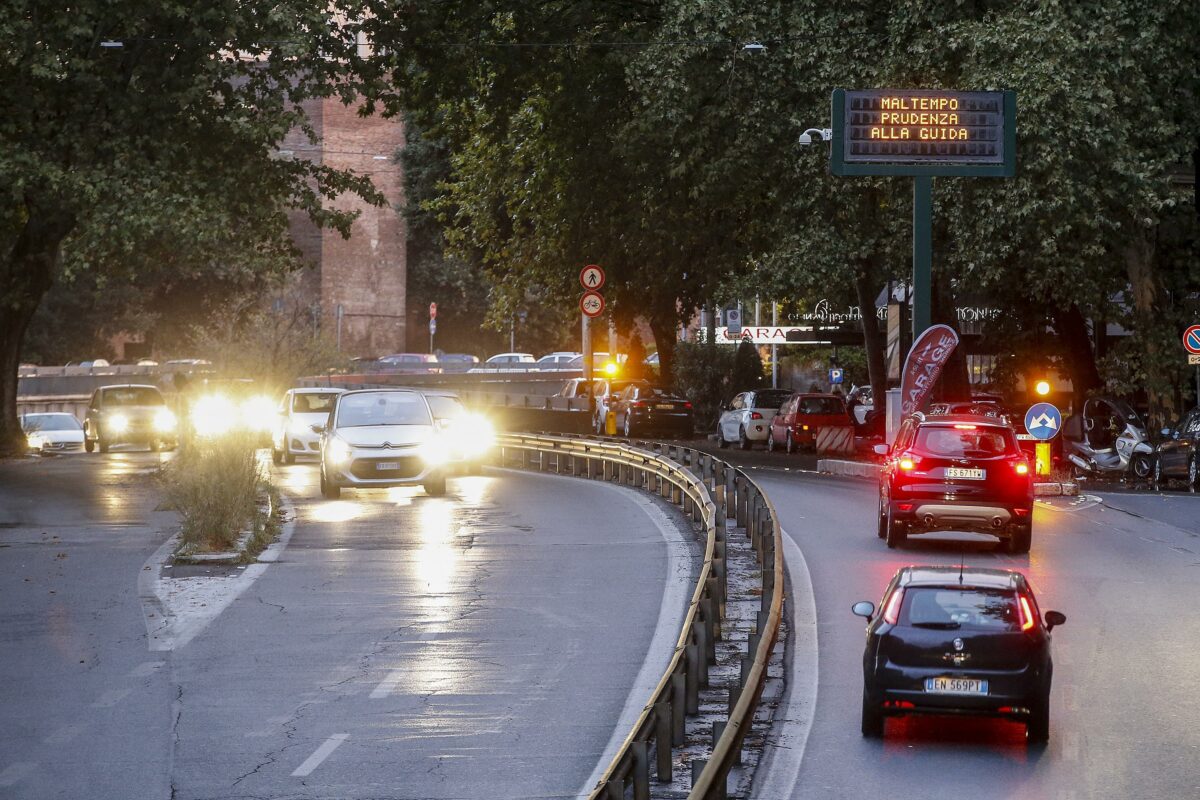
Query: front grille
[407,467]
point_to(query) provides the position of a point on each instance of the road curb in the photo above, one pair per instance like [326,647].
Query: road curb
[235,556]
[864,469]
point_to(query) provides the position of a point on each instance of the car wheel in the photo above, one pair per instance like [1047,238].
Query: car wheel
[1037,727]
[88,444]
[721,443]
[791,443]
[435,485]
[771,440]
[328,490]
[744,440]
[872,718]
[103,445]
[881,528]
[1141,466]
[276,456]
[1021,539]
[895,532]
[287,456]
[1194,474]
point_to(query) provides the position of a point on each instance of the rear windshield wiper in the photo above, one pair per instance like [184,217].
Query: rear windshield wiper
[941,626]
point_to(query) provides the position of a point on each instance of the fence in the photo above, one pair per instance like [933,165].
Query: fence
[711,492]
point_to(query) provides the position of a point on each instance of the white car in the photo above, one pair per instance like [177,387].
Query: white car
[747,418]
[378,438]
[508,362]
[299,410]
[553,361]
[53,432]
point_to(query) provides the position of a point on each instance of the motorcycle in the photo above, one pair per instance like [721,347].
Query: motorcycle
[1108,439]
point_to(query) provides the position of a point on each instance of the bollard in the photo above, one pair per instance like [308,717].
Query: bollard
[768,588]
[717,733]
[698,765]
[718,567]
[744,675]
[662,740]
[712,585]
[710,641]
[693,679]
[760,620]
[678,703]
[614,790]
[641,770]
[752,643]
[700,634]
[735,689]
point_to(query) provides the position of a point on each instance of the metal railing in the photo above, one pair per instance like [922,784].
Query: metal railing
[691,479]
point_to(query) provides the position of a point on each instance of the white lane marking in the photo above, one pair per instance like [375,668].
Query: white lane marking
[65,734]
[175,610]
[111,698]
[676,594]
[323,752]
[1070,750]
[388,684]
[1070,699]
[15,772]
[789,735]
[146,669]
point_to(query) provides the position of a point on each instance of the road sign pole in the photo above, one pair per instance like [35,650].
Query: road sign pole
[922,254]
[587,361]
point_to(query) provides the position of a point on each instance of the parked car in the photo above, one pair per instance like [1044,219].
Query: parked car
[508,362]
[128,414]
[956,472]
[409,362]
[954,640]
[457,362]
[606,392]
[559,360]
[746,418]
[299,410]
[52,432]
[1178,455]
[641,408]
[599,362]
[801,416]
[377,438]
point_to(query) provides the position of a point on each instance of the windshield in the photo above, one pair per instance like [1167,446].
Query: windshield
[382,408]
[133,396]
[770,399]
[820,405]
[967,441]
[444,407]
[49,422]
[313,402]
[970,609]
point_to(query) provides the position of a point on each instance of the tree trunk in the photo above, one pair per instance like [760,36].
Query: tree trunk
[26,272]
[874,342]
[1148,303]
[1077,353]
[663,327]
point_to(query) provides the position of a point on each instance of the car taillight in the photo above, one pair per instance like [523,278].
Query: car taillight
[688,405]
[892,612]
[639,404]
[907,463]
[1024,612]
[755,415]
[1021,468]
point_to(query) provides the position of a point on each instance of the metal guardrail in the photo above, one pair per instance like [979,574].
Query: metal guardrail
[689,478]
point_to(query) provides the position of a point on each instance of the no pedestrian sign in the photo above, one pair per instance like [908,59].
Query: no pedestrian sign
[1191,340]
[592,277]
[592,304]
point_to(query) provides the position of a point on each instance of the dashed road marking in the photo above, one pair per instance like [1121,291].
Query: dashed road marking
[15,772]
[65,734]
[323,752]
[111,698]
[387,685]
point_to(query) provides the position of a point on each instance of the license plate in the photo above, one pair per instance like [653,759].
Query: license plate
[965,474]
[1025,437]
[955,686]
[665,407]
[386,465]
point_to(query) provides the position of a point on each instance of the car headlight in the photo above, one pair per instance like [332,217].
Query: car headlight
[35,441]
[164,421]
[338,451]
[472,436]
[435,450]
[212,415]
[118,423]
[258,413]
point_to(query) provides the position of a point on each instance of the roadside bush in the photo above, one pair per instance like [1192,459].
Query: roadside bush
[702,375]
[214,485]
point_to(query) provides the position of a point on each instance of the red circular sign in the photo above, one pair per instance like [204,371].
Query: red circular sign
[433,310]
[1191,340]
[591,277]
[592,304]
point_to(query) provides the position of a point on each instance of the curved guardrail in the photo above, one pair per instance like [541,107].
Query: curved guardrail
[689,478]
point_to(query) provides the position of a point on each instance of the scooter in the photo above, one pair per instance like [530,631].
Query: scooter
[1108,439]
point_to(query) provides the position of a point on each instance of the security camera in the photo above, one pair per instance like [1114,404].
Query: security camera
[805,139]
[825,134]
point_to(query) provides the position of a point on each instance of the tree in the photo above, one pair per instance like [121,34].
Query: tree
[143,135]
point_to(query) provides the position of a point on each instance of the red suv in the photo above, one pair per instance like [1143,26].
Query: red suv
[961,472]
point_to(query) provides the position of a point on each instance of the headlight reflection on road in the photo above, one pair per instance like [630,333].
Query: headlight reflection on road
[472,489]
[436,561]
[403,495]
[335,511]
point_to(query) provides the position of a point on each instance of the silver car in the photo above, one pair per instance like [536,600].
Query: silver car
[376,438]
[128,414]
[299,410]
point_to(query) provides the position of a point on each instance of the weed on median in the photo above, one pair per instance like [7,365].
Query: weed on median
[215,486]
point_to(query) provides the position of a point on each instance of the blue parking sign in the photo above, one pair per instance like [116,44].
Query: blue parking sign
[835,376]
[1043,421]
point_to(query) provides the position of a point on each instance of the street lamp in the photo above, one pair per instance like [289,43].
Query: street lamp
[824,134]
[1042,388]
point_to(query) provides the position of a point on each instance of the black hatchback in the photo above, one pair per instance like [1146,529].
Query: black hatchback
[949,640]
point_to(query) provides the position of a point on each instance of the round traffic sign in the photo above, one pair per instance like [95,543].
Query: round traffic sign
[591,277]
[1191,340]
[1043,421]
[591,303]
[433,310]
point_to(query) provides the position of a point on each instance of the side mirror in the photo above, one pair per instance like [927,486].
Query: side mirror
[882,449]
[1054,619]
[317,428]
[865,608]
